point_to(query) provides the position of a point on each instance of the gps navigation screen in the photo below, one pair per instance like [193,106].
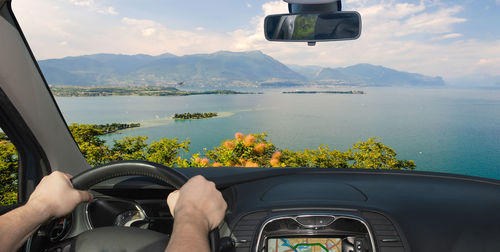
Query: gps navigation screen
[304,245]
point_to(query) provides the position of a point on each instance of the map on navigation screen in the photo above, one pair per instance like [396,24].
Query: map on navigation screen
[304,245]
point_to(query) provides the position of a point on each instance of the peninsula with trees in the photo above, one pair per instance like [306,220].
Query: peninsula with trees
[114,127]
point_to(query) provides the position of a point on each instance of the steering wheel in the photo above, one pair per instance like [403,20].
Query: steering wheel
[124,238]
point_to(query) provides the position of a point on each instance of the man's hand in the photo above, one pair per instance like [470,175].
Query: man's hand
[55,196]
[198,207]
[198,198]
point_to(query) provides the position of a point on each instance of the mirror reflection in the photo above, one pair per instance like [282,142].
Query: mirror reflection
[313,27]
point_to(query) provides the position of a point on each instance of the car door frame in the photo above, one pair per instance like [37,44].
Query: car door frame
[29,114]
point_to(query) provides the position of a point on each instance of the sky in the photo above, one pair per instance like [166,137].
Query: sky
[448,38]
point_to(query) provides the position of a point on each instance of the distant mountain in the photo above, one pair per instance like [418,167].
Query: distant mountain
[216,70]
[370,75]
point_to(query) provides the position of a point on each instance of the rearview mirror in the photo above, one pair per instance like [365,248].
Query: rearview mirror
[345,25]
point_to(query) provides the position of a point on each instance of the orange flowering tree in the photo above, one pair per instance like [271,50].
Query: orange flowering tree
[252,150]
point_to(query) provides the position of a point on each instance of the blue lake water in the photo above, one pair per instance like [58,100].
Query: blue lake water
[445,130]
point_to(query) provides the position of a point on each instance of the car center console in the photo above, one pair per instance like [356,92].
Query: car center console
[320,229]
[319,232]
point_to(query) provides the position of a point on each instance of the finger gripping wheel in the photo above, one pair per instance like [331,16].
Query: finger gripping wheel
[91,177]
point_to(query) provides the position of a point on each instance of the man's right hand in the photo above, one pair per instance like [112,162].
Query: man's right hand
[198,201]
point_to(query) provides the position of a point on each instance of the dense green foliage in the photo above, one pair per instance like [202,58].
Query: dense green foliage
[185,116]
[3,136]
[97,152]
[253,150]
[8,173]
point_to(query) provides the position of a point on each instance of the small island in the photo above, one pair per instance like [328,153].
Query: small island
[324,92]
[187,116]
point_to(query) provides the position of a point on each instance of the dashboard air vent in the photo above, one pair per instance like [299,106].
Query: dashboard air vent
[387,238]
[244,230]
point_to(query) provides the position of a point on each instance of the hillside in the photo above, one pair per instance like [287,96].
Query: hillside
[370,75]
[220,70]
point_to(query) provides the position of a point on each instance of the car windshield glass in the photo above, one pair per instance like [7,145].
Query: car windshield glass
[196,84]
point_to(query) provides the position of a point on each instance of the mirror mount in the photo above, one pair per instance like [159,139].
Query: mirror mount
[296,7]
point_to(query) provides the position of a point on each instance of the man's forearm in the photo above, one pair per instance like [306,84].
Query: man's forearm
[189,234]
[17,225]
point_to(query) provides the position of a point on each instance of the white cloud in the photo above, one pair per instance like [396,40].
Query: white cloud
[111,11]
[87,3]
[448,36]
[92,5]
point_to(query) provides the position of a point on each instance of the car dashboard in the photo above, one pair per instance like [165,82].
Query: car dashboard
[295,209]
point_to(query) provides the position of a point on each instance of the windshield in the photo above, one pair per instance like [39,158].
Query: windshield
[196,84]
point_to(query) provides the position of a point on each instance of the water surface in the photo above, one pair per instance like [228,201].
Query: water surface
[443,130]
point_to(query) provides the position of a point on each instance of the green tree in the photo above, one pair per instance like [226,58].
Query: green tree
[166,150]
[8,173]
[131,148]
[373,154]
[92,147]
[322,157]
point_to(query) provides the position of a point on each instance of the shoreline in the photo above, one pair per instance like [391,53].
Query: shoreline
[75,91]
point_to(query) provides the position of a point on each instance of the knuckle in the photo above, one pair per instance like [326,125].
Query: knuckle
[198,178]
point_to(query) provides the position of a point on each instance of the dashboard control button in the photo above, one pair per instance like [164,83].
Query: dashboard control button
[359,245]
[324,220]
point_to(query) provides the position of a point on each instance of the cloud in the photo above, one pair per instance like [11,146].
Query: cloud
[151,37]
[448,36]
[405,36]
[92,5]
[419,37]
[111,11]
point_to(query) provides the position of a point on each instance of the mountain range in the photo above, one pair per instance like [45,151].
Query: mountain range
[216,70]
